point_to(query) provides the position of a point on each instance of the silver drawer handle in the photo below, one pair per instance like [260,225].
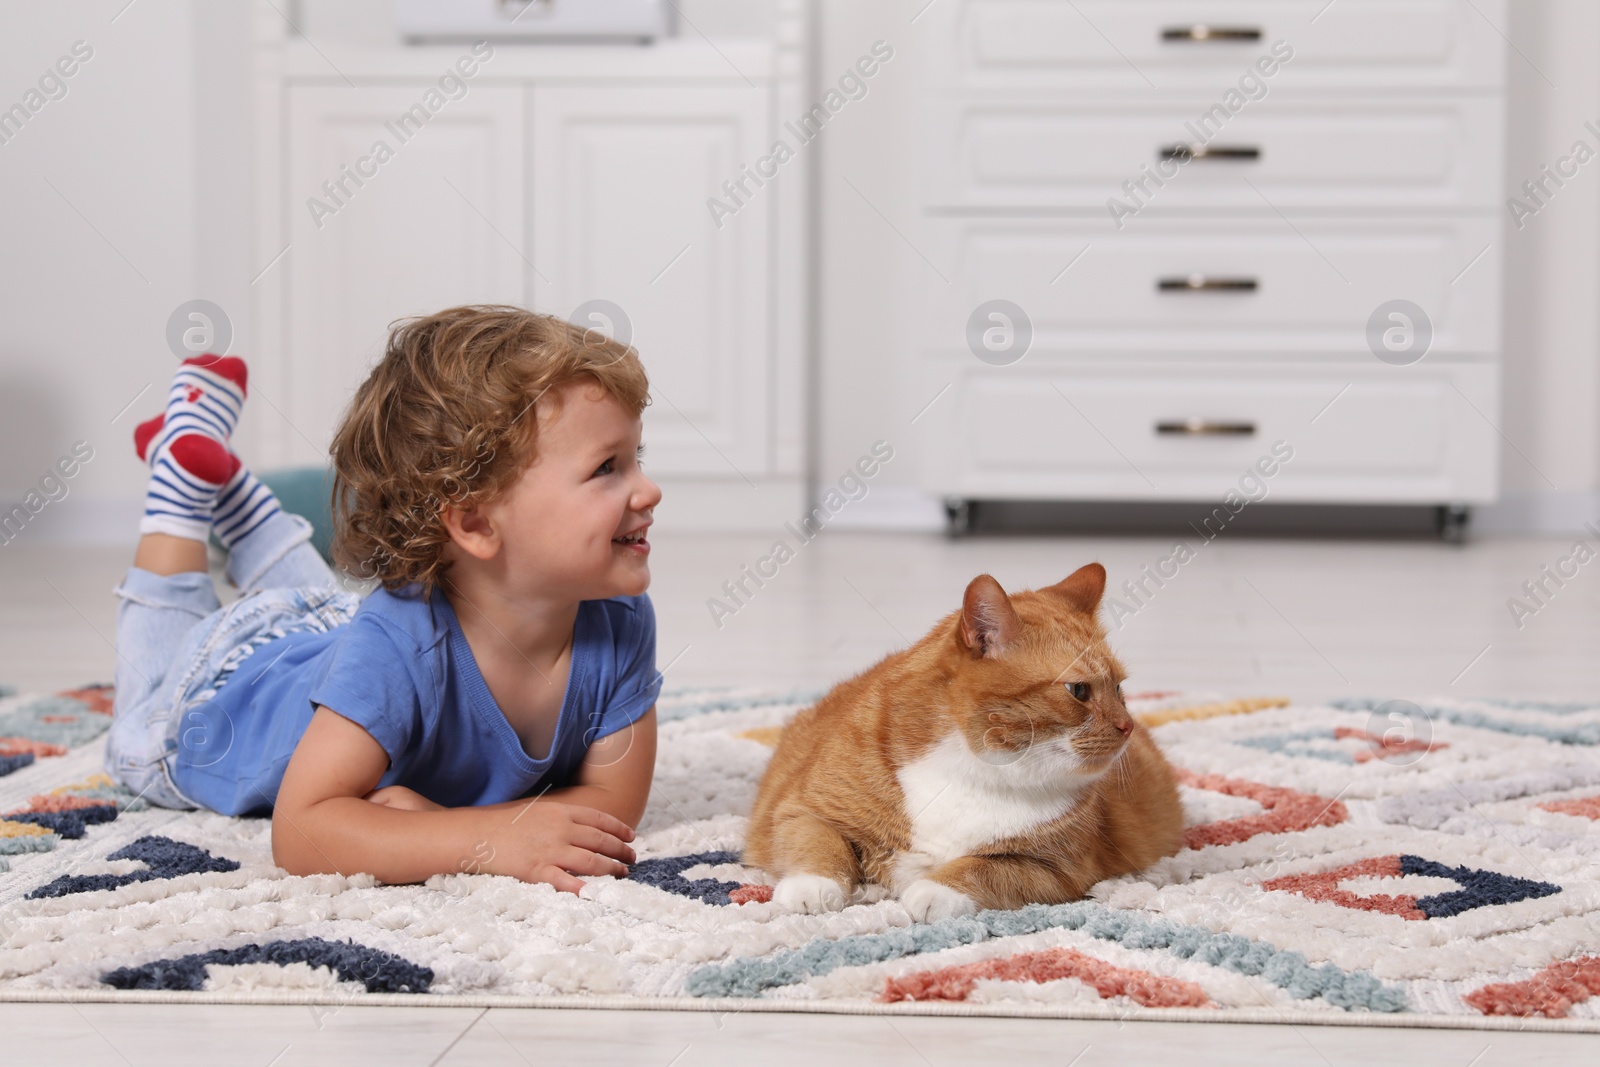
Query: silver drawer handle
[517,8]
[1201,283]
[1205,428]
[1182,153]
[1202,34]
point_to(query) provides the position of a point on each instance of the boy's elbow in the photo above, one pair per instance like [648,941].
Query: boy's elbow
[291,850]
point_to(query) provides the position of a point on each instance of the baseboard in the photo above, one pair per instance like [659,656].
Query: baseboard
[693,506]
[1551,514]
[84,521]
[908,509]
[893,508]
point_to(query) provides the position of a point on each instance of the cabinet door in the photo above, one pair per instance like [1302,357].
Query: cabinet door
[436,220]
[621,183]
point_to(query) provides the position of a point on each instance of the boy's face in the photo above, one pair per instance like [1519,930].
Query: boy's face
[561,521]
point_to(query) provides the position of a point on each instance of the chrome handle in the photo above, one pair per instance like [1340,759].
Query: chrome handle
[1202,34]
[517,8]
[1205,428]
[1201,283]
[1185,152]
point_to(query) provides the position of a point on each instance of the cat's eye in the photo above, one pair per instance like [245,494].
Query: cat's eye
[1079,690]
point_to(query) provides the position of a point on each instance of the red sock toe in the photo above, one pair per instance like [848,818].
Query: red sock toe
[204,457]
[229,367]
[146,430]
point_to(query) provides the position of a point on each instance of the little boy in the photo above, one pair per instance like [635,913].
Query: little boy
[491,706]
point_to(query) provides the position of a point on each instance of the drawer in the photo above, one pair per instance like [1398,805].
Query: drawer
[1206,44]
[1102,431]
[1326,153]
[1308,286]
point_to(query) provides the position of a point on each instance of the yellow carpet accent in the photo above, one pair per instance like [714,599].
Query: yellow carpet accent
[767,735]
[23,829]
[94,781]
[1242,706]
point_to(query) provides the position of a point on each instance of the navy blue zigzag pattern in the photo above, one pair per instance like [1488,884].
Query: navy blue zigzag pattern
[380,972]
[162,856]
[71,823]
[667,873]
[1478,888]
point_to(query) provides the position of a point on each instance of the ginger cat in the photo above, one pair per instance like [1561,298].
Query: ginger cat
[992,764]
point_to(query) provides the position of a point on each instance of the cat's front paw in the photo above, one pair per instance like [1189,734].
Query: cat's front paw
[813,894]
[929,901]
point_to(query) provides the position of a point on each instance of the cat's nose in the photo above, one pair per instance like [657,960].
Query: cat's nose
[1126,726]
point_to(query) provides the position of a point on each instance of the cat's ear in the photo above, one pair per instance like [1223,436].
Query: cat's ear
[1083,588]
[988,621]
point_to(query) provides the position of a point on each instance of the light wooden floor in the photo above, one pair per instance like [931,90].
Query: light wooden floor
[1307,619]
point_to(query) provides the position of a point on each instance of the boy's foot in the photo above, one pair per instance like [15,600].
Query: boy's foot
[186,474]
[206,397]
[186,446]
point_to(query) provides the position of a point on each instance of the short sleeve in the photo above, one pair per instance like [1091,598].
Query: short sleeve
[371,678]
[637,682]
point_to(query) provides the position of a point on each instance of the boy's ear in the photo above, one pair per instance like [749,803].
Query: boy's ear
[470,530]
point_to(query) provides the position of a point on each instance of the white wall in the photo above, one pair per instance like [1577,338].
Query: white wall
[1551,409]
[99,246]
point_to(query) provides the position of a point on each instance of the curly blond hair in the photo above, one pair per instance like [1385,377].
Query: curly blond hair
[448,417]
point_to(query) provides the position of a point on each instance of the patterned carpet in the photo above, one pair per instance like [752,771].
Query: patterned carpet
[1364,864]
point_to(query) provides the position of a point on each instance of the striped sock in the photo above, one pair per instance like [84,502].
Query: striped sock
[186,446]
[206,398]
[186,474]
[243,505]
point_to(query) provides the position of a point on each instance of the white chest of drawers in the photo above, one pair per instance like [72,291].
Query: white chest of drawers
[1200,207]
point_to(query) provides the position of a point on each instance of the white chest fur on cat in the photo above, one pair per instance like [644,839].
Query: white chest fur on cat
[957,802]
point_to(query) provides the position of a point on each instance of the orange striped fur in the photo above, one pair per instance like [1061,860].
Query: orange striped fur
[964,773]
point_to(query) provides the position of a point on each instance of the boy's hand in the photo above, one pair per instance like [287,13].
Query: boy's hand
[548,841]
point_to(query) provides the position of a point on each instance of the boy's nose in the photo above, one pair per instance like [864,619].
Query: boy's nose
[649,495]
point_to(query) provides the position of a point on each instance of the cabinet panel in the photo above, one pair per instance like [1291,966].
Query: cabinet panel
[432,219]
[1301,286]
[1166,44]
[1323,153]
[1367,433]
[622,177]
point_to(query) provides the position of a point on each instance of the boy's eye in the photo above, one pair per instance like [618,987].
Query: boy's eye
[1079,690]
[607,467]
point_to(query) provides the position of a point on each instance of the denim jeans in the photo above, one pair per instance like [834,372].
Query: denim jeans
[176,644]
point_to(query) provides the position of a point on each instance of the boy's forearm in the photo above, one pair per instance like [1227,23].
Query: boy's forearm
[590,796]
[594,796]
[344,835]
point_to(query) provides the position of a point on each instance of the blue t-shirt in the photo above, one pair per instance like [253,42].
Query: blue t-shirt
[401,670]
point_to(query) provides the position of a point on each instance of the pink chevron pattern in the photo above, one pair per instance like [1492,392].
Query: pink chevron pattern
[957,983]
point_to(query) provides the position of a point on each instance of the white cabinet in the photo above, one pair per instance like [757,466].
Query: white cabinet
[561,175]
[620,180]
[437,222]
[1201,208]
